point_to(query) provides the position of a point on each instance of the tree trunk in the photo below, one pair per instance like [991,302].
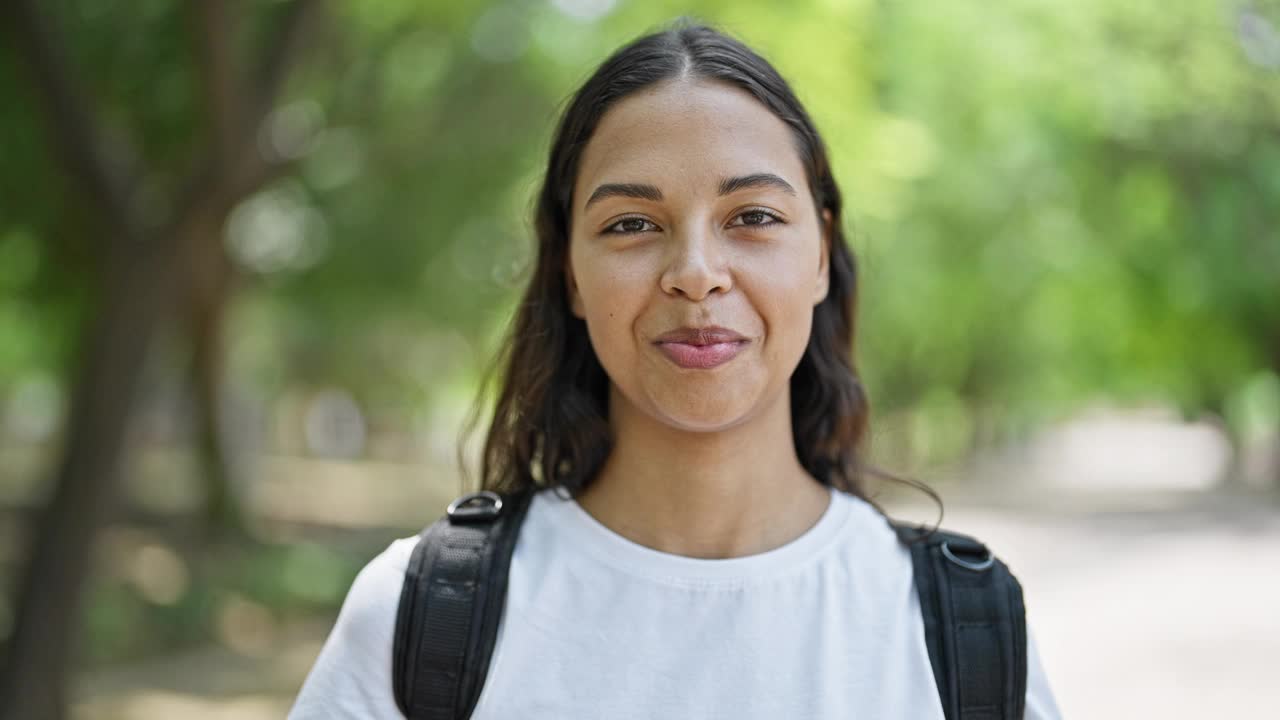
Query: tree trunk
[210,275]
[217,465]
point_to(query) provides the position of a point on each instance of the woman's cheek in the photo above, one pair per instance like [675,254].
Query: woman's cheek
[609,298]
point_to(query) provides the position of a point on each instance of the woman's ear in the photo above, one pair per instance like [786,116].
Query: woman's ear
[824,261]
[571,287]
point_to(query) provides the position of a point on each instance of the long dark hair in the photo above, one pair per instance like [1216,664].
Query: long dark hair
[550,422]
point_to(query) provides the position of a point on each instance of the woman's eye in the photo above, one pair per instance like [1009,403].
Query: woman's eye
[756,218]
[628,226]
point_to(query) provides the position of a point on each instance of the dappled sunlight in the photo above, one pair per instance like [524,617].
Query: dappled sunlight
[246,627]
[159,574]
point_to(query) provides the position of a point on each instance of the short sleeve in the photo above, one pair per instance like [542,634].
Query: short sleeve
[351,677]
[1041,704]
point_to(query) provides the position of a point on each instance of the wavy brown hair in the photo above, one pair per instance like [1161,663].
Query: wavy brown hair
[550,424]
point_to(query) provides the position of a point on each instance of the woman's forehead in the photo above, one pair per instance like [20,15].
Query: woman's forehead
[688,133]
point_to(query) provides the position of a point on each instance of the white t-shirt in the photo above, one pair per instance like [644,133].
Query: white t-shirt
[596,626]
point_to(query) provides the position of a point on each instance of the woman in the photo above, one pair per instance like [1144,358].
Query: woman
[679,385]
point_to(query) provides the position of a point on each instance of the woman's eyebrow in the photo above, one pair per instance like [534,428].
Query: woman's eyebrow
[640,191]
[755,180]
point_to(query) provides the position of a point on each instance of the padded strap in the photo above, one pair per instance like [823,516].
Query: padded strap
[450,606]
[975,624]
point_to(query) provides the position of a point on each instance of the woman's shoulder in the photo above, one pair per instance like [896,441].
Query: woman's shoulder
[371,602]
[352,676]
[395,558]
[869,526]
[378,582]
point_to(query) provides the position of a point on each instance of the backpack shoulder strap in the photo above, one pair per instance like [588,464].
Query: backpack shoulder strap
[451,603]
[974,621]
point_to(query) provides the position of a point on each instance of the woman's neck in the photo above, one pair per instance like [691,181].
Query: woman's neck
[739,491]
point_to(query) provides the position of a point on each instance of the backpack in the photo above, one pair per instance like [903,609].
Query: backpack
[456,584]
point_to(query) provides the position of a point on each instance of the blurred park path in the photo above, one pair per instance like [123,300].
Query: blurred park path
[1164,607]
[1144,605]
[206,684]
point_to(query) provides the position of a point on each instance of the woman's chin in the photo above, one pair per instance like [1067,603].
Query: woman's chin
[700,417]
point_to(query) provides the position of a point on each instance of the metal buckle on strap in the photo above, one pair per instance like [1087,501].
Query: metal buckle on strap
[977,566]
[463,509]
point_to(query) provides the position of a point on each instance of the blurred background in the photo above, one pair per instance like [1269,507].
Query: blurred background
[254,257]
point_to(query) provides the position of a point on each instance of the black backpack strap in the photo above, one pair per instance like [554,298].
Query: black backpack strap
[975,624]
[454,591]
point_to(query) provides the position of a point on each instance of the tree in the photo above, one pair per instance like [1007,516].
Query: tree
[149,260]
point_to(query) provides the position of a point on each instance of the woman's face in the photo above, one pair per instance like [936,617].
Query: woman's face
[691,209]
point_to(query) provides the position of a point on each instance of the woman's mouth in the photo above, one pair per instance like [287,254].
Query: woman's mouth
[701,357]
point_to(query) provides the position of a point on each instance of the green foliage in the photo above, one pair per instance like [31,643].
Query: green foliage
[1051,202]
[1092,221]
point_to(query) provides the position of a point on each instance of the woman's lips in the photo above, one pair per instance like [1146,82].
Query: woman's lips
[702,357]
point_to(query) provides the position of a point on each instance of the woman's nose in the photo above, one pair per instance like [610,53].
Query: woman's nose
[698,265]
